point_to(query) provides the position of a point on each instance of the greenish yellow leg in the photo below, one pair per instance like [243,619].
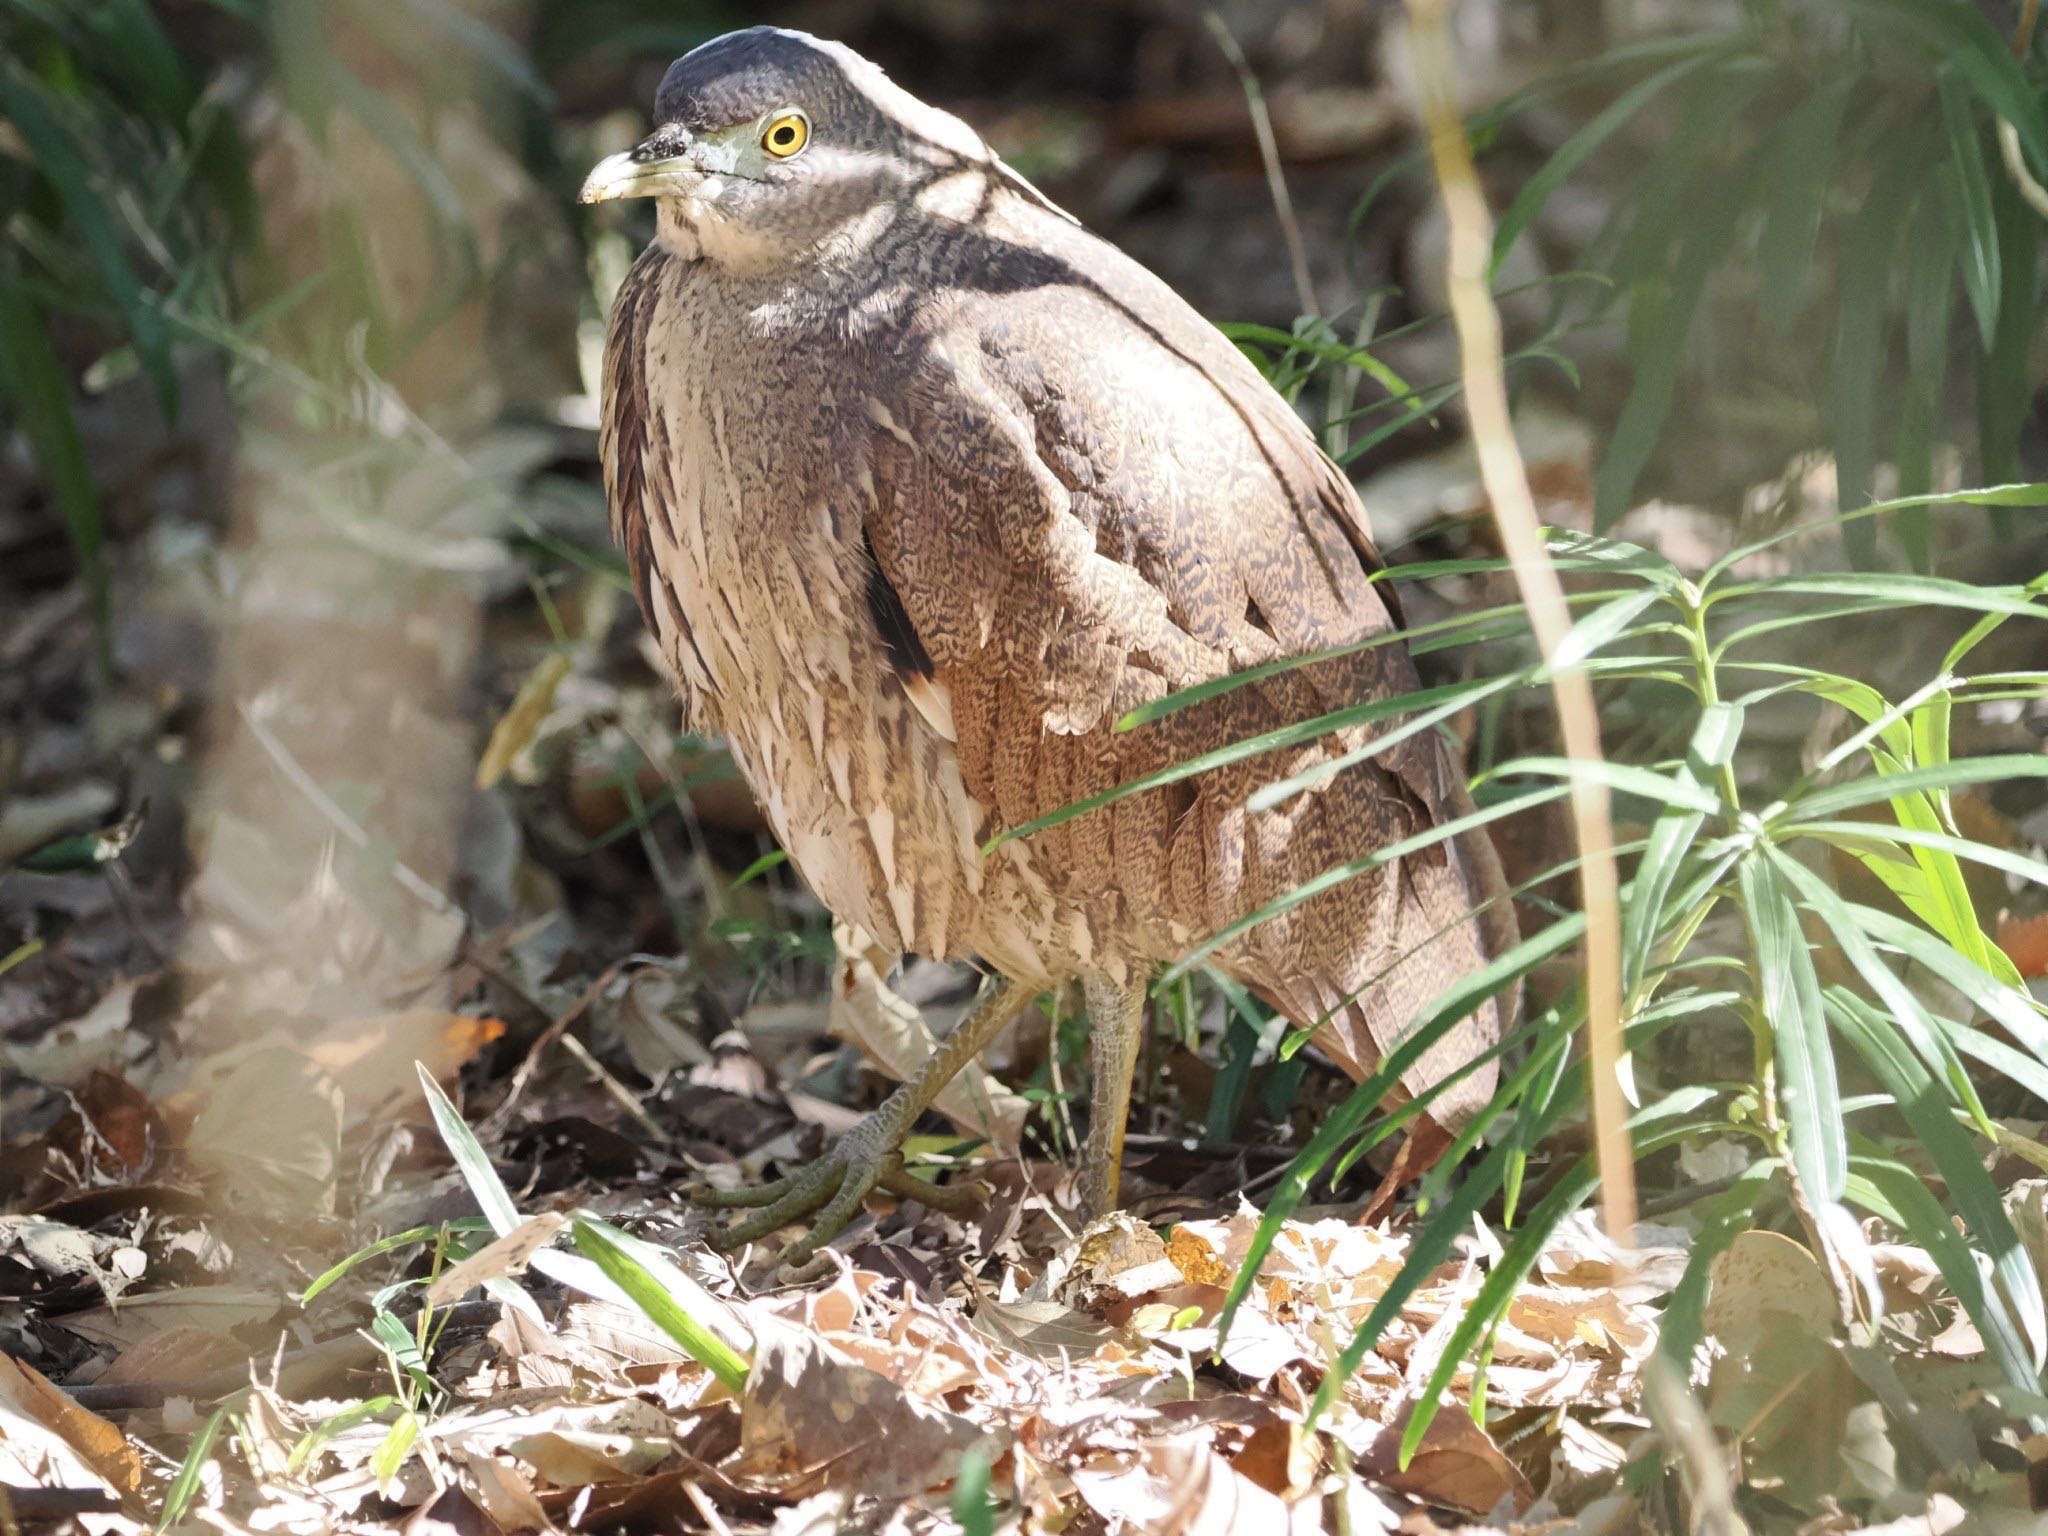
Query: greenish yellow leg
[865,1156]
[1116,1023]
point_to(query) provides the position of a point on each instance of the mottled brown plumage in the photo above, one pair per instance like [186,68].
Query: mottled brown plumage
[923,486]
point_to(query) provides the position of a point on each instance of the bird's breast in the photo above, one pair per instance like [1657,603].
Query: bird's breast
[761,608]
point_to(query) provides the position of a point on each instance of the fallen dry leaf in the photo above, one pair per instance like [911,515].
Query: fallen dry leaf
[507,1255]
[52,1442]
[375,1060]
[269,1136]
[809,1419]
[1177,1485]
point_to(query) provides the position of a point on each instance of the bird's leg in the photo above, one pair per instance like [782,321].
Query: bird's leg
[867,1155]
[1116,1018]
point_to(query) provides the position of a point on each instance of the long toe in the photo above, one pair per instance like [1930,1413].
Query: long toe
[790,1198]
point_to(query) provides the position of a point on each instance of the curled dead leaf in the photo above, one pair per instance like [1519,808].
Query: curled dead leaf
[809,1418]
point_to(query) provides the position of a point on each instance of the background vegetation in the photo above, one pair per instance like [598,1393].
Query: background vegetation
[323,700]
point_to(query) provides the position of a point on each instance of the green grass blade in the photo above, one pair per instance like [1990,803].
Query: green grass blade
[706,1329]
[34,384]
[1896,1193]
[191,1471]
[1344,1121]
[1671,838]
[1790,1002]
[1833,799]
[1976,1198]
[1251,746]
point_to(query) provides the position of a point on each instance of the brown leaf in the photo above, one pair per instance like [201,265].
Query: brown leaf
[1044,1330]
[372,1059]
[270,1133]
[171,1357]
[1760,1279]
[111,1127]
[1177,1485]
[28,1402]
[495,1260]
[808,1419]
[1457,1465]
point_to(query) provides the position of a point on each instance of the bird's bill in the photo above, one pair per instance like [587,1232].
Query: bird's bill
[633,173]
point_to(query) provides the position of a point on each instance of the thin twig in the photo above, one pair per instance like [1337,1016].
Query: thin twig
[1514,512]
[1269,153]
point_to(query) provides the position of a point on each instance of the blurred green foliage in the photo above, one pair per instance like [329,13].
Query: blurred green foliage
[1832,183]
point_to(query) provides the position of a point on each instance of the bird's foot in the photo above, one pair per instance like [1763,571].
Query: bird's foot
[865,1158]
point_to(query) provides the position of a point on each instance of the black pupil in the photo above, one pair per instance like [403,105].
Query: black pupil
[785,134]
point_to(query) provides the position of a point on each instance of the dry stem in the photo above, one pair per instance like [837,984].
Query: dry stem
[1514,513]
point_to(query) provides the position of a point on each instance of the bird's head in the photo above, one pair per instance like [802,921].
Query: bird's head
[770,145]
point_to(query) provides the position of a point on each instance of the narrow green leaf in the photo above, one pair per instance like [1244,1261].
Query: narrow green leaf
[1833,799]
[2008,1004]
[1251,746]
[2017,494]
[471,1160]
[1342,1124]
[1911,1017]
[1972,190]
[34,384]
[2005,389]
[1862,331]
[1790,1001]
[1624,778]
[191,1470]
[1852,835]
[1962,36]
[1896,1193]
[70,175]
[1722,1218]
[1267,796]
[1570,155]
[1653,1128]
[1288,900]
[1671,838]
[707,1330]
[383,1245]
[1894,587]
[1800,163]
[1976,1198]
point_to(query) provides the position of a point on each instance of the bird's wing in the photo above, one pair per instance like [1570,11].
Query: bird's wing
[1086,498]
[624,420]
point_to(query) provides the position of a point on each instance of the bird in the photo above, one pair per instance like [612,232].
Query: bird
[923,489]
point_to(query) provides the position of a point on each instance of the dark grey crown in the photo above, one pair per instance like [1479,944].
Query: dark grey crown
[740,76]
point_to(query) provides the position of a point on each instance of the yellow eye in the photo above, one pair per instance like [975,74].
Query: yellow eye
[786,135]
